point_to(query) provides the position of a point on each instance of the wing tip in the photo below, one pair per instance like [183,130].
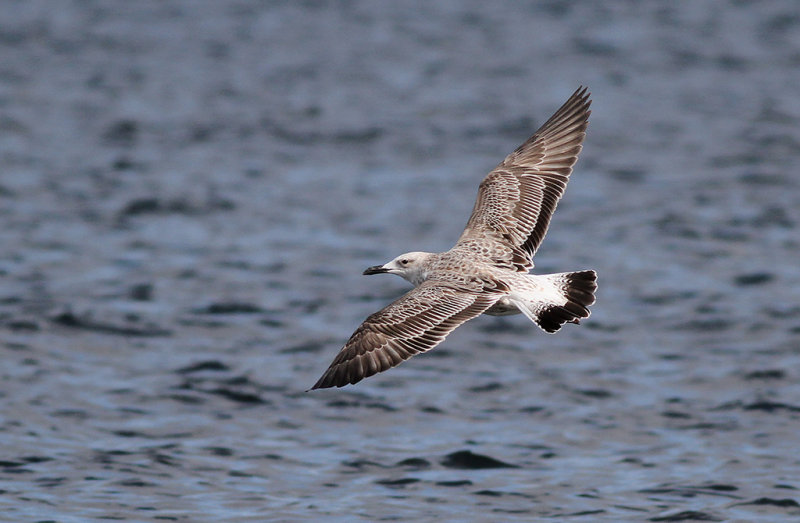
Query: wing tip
[576,107]
[334,377]
[582,93]
[319,384]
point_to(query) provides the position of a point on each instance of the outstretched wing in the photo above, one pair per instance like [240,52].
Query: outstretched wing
[416,322]
[516,200]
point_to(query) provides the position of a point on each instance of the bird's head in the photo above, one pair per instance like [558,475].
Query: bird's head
[410,266]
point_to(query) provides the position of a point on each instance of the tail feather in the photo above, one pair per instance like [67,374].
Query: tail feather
[572,294]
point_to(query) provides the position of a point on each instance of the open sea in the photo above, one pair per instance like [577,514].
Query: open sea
[190,190]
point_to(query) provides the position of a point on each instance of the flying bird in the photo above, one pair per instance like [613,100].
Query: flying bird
[486,271]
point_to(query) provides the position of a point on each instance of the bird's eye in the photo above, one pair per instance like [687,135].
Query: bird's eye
[404,261]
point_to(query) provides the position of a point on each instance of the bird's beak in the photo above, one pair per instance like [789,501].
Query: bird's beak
[376,269]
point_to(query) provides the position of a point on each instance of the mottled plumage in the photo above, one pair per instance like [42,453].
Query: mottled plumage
[486,271]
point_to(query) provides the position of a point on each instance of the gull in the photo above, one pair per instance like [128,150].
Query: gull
[487,270]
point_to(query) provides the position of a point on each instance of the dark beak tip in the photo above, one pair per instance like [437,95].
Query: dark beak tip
[375,269]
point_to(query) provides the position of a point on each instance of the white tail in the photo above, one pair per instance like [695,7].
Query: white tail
[558,298]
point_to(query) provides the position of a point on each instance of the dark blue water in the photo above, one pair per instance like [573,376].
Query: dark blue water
[189,192]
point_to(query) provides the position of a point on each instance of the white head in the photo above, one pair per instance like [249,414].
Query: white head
[410,266]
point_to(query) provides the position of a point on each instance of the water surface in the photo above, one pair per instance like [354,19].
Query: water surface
[190,191]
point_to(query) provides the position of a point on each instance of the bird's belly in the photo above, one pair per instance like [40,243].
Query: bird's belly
[503,307]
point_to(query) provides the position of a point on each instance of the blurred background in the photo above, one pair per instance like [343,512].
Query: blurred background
[190,190]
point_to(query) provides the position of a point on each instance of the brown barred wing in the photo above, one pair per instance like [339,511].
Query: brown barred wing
[416,322]
[516,200]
